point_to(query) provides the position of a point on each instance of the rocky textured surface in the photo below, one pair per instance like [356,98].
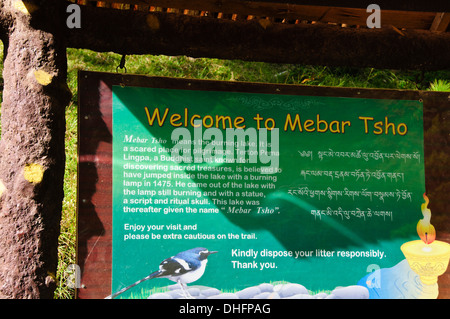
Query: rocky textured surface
[264,291]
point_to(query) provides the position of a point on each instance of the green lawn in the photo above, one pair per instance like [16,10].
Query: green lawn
[207,69]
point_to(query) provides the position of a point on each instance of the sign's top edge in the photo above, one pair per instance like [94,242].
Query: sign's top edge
[142,80]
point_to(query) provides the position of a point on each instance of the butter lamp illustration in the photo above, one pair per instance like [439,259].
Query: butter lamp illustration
[183,268]
[427,257]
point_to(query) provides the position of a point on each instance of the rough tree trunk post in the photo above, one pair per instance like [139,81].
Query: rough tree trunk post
[32,154]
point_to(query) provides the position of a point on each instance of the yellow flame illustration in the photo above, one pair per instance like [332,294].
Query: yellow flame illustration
[425,230]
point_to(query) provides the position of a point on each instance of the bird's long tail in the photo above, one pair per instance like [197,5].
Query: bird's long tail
[152,275]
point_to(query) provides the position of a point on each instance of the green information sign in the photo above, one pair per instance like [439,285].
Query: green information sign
[312,190]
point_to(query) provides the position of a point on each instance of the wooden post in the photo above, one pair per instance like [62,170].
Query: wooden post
[441,22]
[32,154]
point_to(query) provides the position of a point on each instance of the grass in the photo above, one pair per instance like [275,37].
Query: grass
[144,293]
[214,69]
[440,85]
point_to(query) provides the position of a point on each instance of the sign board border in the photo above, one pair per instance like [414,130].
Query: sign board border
[94,200]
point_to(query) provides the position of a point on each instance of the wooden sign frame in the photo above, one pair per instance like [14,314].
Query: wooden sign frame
[94,233]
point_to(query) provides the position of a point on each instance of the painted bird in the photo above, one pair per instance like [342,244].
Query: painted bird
[183,268]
